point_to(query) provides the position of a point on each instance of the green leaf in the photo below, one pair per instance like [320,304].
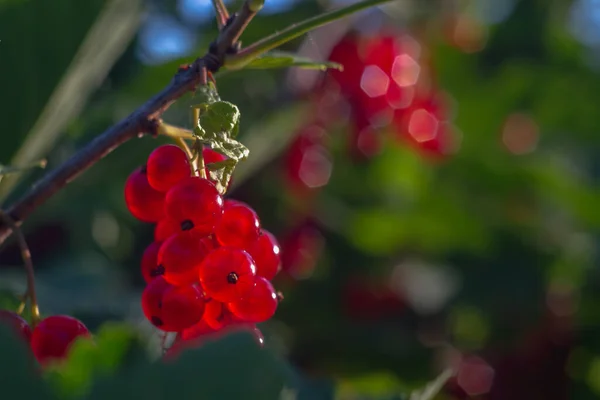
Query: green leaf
[19,377]
[250,53]
[111,348]
[281,59]
[231,368]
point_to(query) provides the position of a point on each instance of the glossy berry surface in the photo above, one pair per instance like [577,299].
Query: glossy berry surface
[216,315]
[195,201]
[143,202]
[152,301]
[52,337]
[227,274]
[239,226]
[202,328]
[16,323]
[166,166]
[150,267]
[265,253]
[182,307]
[257,306]
[165,228]
[181,256]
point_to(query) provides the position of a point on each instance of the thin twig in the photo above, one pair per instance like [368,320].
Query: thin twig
[26,255]
[221,12]
[138,122]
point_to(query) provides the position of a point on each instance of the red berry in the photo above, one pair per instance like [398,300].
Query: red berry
[166,166]
[152,303]
[16,323]
[165,228]
[232,203]
[196,202]
[347,53]
[239,226]
[150,267]
[182,307]
[145,203]
[301,250]
[198,330]
[265,253]
[210,156]
[53,336]
[227,274]
[181,256]
[217,315]
[257,306]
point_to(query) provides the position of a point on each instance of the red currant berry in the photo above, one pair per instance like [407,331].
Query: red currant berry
[150,267]
[165,228]
[16,323]
[232,203]
[143,202]
[239,226]
[227,274]
[217,316]
[181,256]
[258,305]
[166,166]
[198,330]
[152,302]
[301,250]
[52,337]
[182,307]
[210,156]
[195,202]
[265,253]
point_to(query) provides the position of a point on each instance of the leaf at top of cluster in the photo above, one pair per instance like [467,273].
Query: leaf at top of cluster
[282,59]
[208,93]
[218,120]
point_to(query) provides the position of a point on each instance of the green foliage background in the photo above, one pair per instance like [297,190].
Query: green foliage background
[512,238]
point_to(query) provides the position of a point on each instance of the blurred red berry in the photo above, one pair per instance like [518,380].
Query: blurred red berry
[165,228]
[16,323]
[53,336]
[182,307]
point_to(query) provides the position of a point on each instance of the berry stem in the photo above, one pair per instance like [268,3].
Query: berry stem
[199,165]
[26,255]
[222,13]
[173,131]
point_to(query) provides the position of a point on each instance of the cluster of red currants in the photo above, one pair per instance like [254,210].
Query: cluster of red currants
[51,338]
[210,265]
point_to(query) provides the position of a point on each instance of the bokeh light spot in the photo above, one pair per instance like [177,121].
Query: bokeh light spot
[405,70]
[520,134]
[475,376]
[374,82]
[423,125]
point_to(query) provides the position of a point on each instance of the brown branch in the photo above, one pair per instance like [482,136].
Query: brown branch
[28,264]
[138,122]
[221,12]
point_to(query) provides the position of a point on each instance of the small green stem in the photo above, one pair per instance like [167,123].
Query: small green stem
[26,256]
[244,56]
[174,131]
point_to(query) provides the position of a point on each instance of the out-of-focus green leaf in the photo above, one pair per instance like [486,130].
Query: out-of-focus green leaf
[231,368]
[18,376]
[282,59]
[113,347]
